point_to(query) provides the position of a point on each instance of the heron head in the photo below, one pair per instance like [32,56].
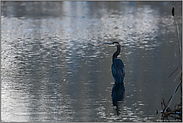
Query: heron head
[112,44]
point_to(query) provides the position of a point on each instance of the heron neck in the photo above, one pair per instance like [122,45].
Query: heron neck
[116,53]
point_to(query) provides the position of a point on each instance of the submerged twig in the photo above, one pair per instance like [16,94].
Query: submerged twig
[173,72]
[175,91]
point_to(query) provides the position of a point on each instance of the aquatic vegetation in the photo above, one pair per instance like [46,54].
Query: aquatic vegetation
[175,113]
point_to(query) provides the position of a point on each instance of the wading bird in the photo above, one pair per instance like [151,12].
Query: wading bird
[118,72]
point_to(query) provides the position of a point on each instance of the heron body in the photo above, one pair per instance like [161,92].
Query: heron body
[118,71]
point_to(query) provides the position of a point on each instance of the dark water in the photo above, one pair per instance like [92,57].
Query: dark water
[54,68]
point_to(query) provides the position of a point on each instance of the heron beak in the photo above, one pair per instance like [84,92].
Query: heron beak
[109,44]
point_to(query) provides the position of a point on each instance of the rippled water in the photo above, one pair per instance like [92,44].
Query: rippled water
[54,68]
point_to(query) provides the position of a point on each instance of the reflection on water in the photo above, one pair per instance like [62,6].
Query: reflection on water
[118,93]
[54,67]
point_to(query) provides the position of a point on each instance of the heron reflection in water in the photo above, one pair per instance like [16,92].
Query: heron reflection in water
[118,72]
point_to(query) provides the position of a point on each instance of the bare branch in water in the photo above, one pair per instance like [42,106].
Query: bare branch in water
[173,72]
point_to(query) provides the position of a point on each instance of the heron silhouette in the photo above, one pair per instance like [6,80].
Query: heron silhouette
[118,72]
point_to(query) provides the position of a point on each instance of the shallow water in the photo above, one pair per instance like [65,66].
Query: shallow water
[55,68]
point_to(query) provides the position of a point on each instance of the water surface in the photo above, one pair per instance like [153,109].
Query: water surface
[54,68]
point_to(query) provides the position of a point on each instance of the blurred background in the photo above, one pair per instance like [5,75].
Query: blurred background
[55,68]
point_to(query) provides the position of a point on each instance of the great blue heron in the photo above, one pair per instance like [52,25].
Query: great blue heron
[118,72]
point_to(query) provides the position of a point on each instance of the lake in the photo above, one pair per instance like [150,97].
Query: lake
[55,68]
